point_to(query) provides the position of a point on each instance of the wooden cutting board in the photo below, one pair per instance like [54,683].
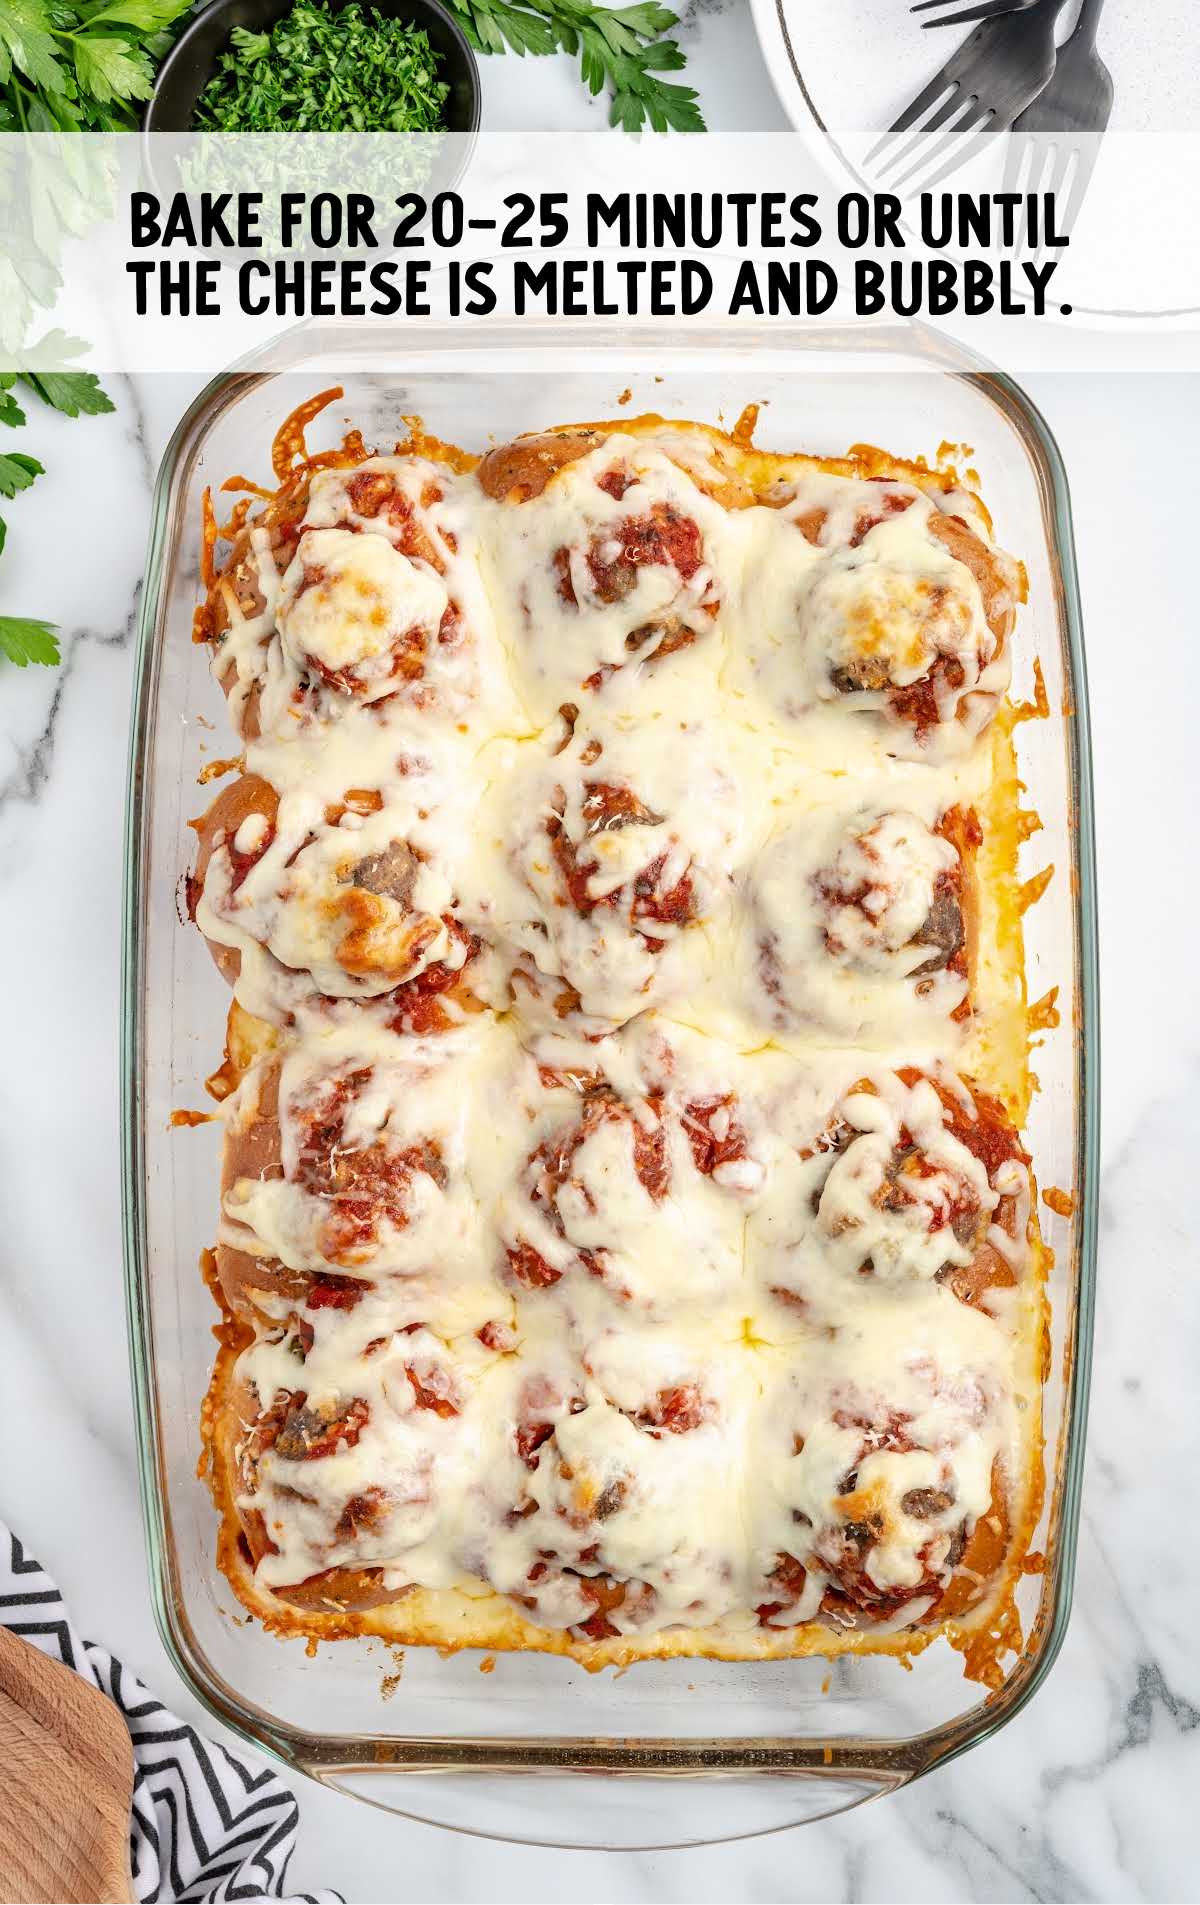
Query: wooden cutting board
[66,1784]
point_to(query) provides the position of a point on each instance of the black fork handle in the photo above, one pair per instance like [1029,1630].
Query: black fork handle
[1088,21]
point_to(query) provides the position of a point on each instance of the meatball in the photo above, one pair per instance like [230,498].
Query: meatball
[357,613]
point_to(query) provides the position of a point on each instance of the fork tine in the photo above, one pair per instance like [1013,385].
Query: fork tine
[1086,151]
[1066,151]
[923,101]
[1025,161]
[975,115]
[944,113]
[968,110]
[1019,148]
[1063,152]
[983,10]
[980,132]
[910,142]
[1048,170]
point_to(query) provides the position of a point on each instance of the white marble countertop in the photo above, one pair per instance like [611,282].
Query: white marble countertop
[1091,1792]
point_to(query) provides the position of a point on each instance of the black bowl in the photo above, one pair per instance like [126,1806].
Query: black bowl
[188,67]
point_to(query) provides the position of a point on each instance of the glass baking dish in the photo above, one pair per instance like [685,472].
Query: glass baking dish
[787,1741]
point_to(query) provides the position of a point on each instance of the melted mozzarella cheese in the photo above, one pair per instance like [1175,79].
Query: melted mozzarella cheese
[873,1199]
[888,609]
[651,1325]
[411,1112]
[617,852]
[894,861]
[840,902]
[417,562]
[347,604]
[850,619]
[304,901]
[874,1453]
[575,595]
[398,1495]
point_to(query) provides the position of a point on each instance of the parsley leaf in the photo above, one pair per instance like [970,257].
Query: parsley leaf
[148,16]
[76,393]
[24,641]
[621,49]
[27,43]
[58,346]
[17,472]
[111,69]
[80,65]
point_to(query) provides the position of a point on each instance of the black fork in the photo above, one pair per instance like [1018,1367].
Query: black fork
[984,86]
[982,10]
[1059,134]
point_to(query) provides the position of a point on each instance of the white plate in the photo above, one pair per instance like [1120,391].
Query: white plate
[855,64]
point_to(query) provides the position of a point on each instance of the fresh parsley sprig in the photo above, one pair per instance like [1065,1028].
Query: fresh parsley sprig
[76,393]
[83,67]
[621,48]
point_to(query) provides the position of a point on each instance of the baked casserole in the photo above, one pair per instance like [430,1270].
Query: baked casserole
[627,1246]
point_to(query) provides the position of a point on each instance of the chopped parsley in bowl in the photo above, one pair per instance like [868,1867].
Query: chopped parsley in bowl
[340,66]
[326,69]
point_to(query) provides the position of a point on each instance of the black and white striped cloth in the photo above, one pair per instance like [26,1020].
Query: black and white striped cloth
[207,1823]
